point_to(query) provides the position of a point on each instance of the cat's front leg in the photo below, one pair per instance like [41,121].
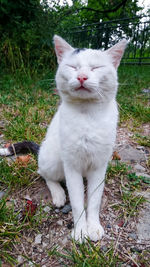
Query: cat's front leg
[75,187]
[95,191]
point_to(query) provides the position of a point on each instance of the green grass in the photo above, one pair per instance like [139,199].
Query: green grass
[132,102]
[27,105]
[87,255]
[142,139]
[14,176]
[9,231]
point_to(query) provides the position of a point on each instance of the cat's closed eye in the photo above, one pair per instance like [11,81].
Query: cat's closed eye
[72,67]
[97,67]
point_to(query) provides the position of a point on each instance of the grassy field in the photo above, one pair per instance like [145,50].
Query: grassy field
[27,105]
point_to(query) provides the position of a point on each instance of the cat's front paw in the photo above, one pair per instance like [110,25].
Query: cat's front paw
[95,232]
[59,198]
[79,234]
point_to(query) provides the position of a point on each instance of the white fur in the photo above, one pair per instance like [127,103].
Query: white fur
[81,136]
[4,152]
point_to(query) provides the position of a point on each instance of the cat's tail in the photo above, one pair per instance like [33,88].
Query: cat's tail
[20,147]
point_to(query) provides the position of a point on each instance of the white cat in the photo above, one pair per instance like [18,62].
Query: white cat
[80,138]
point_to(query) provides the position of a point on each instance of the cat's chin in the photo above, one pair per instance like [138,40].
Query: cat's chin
[82,88]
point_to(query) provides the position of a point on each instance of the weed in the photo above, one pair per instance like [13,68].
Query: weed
[130,203]
[142,140]
[86,255]
[137,180]
[9,231]
[14,176]
[116,170]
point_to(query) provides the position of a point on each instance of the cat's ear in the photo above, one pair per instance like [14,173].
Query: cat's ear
[61,47]
[116,52]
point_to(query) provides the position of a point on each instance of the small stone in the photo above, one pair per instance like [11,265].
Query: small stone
[38,239]
[27,197]
[147,151]
[19,216]
[44,244]
[104,248]
[31,263]
[57,210]
[133,236]
[47,209]
[60,222]
[130,154]
[132,161]
[138,167]
[143,225]
[70,225]
[2,193]
[20,259]
[66,209]
[140,147]
[136,250]
[64,241]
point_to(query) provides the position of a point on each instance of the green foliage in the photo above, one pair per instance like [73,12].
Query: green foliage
[109,10]
[14,177]
[87,254]
[142,139]
[26,35]
[137,180]
[133,104]
[9,231]
[27,28]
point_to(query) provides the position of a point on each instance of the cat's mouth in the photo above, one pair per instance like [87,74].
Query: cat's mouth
[82,88]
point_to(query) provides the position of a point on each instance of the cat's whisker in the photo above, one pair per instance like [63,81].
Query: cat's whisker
[101,95]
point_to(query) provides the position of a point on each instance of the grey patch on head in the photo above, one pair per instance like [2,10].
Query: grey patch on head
[78,50]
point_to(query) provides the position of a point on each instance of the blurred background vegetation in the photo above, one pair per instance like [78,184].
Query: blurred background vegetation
[27,28]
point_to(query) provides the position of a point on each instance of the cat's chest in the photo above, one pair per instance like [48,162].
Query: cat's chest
[84,131]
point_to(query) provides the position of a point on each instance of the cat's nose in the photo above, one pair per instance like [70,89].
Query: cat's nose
[81,78]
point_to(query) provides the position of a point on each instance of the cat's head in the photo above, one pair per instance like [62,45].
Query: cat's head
[87,73]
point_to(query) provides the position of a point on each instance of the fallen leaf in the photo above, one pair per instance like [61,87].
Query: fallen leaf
[30,208]
[23,160]
[121,223]
[116,156]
